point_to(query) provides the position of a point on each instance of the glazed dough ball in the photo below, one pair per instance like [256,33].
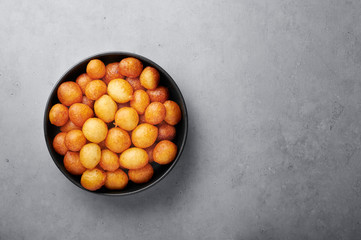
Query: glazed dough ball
[141,175]
[79,113]
[93,179]
[120,90]
[105,108]
[58,115]
[95,130]
[155,113]
[82,81]
[166,132]
[149,78]
[135,83]
[109,161]
[140,101]
[160,94]
[130,67]
[144,135]
[69,126]
[75,140]
[133,158]
[95,89]
[164,152]
[117,140]
[59,143]
[112,72]
[116,180]
[90,155]
[126,118]
[72,163]
[69,93]
[95,69]
[173,113]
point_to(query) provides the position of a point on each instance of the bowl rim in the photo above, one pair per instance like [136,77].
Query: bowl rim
[159,68]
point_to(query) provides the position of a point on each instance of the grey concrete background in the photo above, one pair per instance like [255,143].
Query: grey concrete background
[274,97]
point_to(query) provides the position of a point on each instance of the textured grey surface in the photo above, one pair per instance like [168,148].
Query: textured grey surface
[274,98]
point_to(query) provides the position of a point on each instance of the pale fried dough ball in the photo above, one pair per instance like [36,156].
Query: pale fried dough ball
[79,113]
[69,126]
[166,132]
[93,179]
[95,69]
[95,130]
[173,113]
[112,72]
[149,78]
[117,140]
[140,101]
[69,93]
[120,90]
[141,175]
[130,67]
[160,94]
[155,113]
[116,180]
[126,118]
[133,158]
[72,163]
[144,135]
[95,89]
[90,155]
[164,152]
[82,81]
[105,108]
[59,143]
[58,115]
[75,140]
[109,161]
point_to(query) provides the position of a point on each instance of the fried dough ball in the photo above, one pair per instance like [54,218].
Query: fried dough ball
[59,143]
[95,130]
[120,90]
[79,113]
[95,69]
[58,115]
[142,119]
[160,94]
[164,152]
[141,175]
[82,81]
[133,158]
[72,163]
[117,140]
[90,155]
[140,101]
[155,113]
[149,151]
[109,161]
[149,78]
[95,89]
[93,179]
[173,113]
[75,140]
[116,180]
[112,72]
[144,135]
[105,108]
[166,132]
[130,67]
[126,118]
[135,83]
[69,126]
[88,102]
[69,93]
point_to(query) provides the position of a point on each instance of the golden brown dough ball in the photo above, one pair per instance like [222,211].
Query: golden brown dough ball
[144,135]
[79,113]
[93,179]
[88,102]
[69,126]
[116,180]
[149,151]
[69,93]
[164,152]
[130,67]
[82,81]
[95,69]
[149,78]
[90,155]
[109,161]
[173,113]
[126,118]
[160,94]
[155,113]
[135,83]
[58,115]
[120,90]
[166,132]
[141,175]
[133,158]
[112,72]
[95,89]
[59,143]
[95,130]
[140,101]
[72,163]
[105,108]
[75,140]
[117,140]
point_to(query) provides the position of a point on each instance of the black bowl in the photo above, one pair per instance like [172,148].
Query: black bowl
[160,171]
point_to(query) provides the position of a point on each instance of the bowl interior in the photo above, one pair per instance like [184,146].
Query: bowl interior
[160,171]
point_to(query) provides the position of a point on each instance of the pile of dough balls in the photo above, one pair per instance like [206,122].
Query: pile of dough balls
[115,124]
